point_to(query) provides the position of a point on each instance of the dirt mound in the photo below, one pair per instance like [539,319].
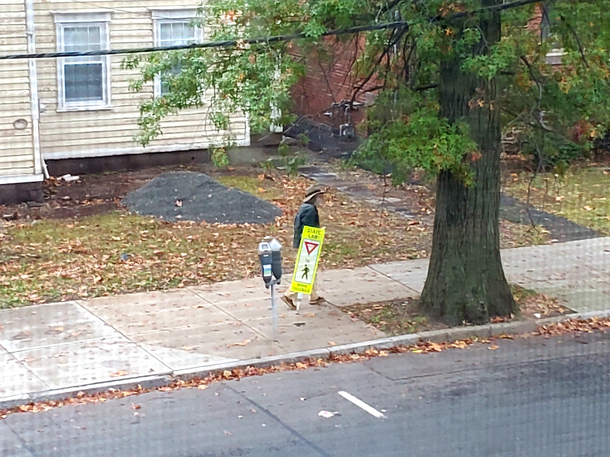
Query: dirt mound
[188,196]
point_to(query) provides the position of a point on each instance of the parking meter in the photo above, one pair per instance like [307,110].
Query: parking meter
[276,259]
[270,256]
[265,257]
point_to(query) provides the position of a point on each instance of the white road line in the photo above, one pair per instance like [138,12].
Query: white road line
[369,409]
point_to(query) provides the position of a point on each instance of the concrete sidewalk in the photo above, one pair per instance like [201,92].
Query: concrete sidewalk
[54,350]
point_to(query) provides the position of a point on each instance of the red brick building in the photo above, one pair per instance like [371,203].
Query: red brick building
[330,80]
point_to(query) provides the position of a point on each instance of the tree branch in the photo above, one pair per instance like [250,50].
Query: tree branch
[391,43]
[427,87]
[578,43]
[530,69]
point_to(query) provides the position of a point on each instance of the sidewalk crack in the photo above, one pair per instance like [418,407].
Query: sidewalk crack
[258,332]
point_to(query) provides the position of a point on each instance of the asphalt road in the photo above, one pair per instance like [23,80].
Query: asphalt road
[534,397]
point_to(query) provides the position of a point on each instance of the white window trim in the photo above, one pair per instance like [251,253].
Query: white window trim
[159,14]
[66,17]
[85,18]
[554,56]
[168,16]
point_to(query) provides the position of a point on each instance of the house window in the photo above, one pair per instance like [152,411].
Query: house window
[173,28]
[83,81]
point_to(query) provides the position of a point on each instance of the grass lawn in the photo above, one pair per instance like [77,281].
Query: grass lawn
[581,195]
[112,252]
[117,252]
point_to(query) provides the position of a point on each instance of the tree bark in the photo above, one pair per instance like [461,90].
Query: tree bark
[466,281]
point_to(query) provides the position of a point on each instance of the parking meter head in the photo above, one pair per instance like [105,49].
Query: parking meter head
[275,245]
[276,258]
[264,256]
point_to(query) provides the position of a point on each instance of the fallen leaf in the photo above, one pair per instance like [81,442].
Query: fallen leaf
[493,347]
[118,373]
[241,343]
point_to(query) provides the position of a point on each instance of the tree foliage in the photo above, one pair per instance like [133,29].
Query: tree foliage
[556,109]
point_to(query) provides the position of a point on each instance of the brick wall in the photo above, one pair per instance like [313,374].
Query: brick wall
[329,80]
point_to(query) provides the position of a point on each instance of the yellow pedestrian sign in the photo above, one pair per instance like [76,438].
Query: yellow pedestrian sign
[307,260]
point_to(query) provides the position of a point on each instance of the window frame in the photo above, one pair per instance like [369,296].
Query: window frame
[65,20]
[171,16]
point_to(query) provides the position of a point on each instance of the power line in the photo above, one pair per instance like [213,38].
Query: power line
[261,40]
[205,44]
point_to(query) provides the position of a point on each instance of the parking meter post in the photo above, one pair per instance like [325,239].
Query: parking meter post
[273,312]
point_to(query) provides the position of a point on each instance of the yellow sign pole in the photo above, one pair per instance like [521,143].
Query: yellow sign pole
[306,265]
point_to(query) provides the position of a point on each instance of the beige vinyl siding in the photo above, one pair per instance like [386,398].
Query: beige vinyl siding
[111,130]
[16,147]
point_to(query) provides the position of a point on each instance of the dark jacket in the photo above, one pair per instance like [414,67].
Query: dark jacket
[307,215]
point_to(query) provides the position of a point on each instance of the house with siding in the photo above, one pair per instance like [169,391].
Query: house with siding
[80,110]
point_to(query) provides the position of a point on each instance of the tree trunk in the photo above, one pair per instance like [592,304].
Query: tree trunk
[466,282]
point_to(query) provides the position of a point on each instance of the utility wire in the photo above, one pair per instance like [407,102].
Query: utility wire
[262,40]
[205,44]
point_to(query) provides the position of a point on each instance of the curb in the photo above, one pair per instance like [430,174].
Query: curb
[146,382]
[434,336]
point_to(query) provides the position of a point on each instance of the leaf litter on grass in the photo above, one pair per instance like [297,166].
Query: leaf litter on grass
[418,197]
[117,252]
[581,195]
[394,317]
[401,317]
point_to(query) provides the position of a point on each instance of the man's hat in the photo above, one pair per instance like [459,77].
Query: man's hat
[312,193]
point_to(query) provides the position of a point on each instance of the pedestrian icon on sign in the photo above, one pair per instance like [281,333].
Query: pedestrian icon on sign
[305,272]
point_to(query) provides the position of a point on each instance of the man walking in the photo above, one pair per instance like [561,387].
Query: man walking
[306,216]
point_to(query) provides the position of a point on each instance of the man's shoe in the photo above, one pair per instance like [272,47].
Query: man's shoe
[317,301]
[289,302]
